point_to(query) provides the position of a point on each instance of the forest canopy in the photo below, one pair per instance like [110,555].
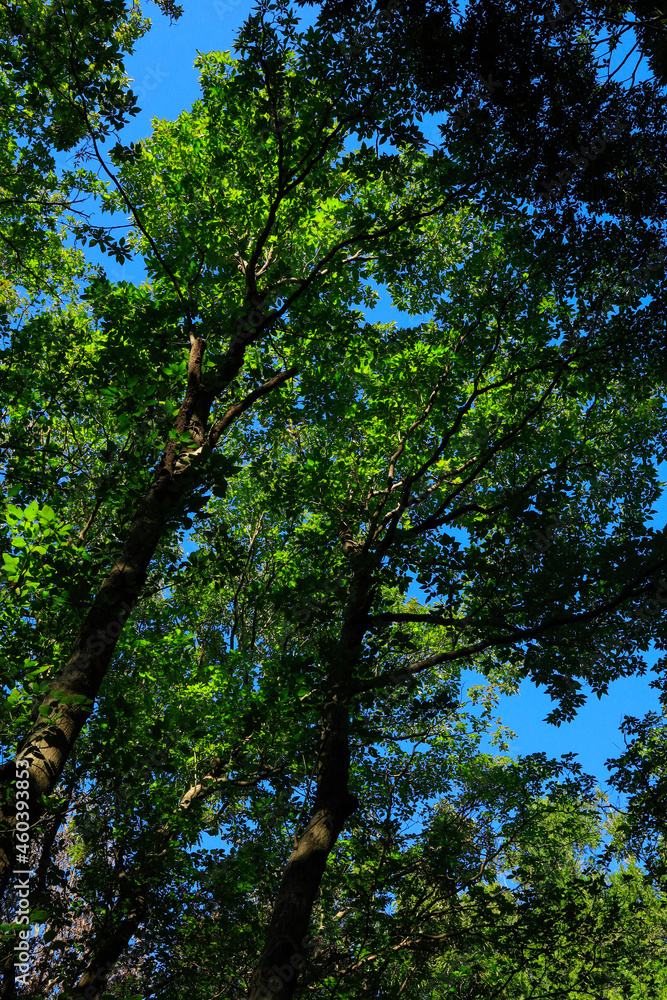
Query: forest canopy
[255,542]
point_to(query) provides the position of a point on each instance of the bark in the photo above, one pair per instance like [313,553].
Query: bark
[110,946]
[70,699]
[7,809]
[286,942]
[286,947]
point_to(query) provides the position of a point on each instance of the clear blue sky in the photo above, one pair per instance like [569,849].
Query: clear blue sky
[166,82]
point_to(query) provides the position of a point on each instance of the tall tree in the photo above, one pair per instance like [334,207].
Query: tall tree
[498,454]
[295,234]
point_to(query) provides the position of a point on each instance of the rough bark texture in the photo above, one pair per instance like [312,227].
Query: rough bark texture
[69,701]
[109,947]
[286,946]
[71,696]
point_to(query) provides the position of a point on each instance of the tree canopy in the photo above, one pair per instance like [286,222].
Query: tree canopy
[253,541]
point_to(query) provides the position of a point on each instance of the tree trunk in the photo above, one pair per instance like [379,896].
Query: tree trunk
[70,698]
[286,941]
[286,944]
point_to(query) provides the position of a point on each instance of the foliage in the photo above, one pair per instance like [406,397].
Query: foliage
[253,540]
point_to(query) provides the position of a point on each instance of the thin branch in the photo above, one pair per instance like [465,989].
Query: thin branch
[236,409]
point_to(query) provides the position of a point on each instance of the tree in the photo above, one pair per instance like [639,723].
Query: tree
[541,97]
[498,454]
[63,88]
[639,774]
[482,837]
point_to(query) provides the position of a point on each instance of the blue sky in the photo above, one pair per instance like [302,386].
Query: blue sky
[166,83]
[162,66]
